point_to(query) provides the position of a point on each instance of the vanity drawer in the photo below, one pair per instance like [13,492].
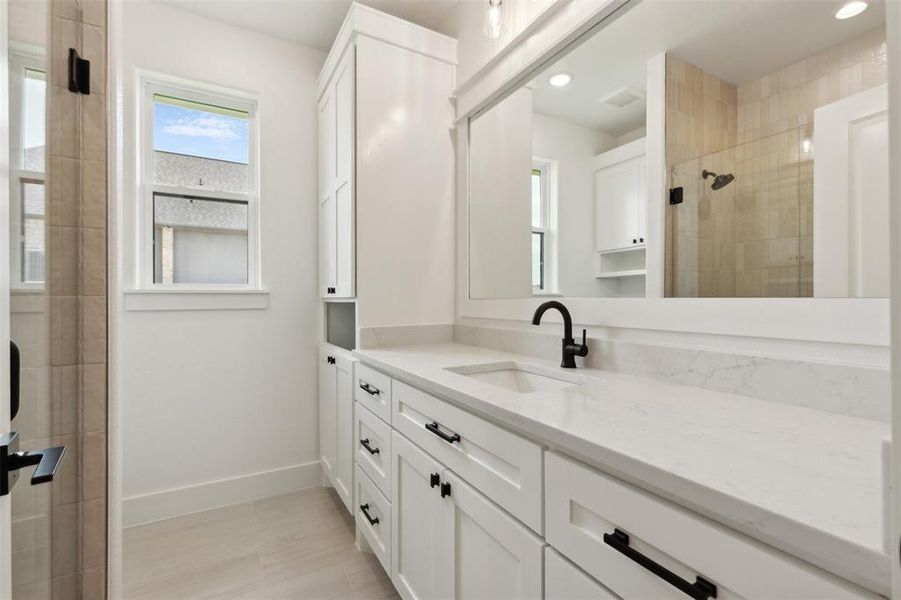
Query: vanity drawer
[373,390]
[372,437]
[374,518]
[595,520]
[564,581]
[500,464]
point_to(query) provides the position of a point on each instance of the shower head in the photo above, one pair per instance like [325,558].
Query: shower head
[719,181]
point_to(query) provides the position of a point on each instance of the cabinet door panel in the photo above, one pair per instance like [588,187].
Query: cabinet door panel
[492,555]
[344,400]
[417,526]
[327,216]
[641,203]
[344,177]
[616,198]
[564,581]
[328,416]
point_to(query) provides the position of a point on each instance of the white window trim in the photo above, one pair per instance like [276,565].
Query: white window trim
[19,61]
[549,206]
[151,84]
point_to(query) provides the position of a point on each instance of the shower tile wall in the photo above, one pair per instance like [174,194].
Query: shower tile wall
[701,118]
[785,100]
[754,237]
[59,533]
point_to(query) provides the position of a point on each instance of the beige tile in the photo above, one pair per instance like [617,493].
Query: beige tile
[93,201]
[62,181]
[65,552]
[93,584]
[64,400]
[93,335]
[93,44]
[93,466]
[93,397]
[65,33]
[93,266]
[62,259]
[66,587]
[64,325]
[93,534]
[93,12]
[65,110]
[94,127]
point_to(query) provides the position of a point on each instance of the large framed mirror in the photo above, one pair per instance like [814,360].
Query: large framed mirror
[775,137]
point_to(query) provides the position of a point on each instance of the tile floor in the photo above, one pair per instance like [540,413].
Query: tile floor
[293,546]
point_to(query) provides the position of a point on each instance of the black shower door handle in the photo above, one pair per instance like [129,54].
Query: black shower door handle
[14,368]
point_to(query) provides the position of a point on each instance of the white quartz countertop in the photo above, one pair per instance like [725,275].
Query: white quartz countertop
[804,481]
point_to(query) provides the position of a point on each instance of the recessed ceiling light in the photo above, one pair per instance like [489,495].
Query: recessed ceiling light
[850,9]
[560,79]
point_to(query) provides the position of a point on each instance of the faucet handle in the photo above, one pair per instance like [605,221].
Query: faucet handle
[584,337]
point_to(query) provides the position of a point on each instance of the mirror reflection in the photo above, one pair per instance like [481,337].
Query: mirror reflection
[775,176]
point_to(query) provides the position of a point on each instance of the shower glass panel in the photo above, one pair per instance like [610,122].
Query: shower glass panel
[57,269]
[744,230]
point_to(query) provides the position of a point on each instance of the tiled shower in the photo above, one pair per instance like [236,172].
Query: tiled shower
[58,305]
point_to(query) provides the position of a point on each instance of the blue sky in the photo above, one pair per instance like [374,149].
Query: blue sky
[199,133]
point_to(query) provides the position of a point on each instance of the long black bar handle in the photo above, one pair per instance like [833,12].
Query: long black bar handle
[701,589]
[372,520]
[370,449]
[14,364]
[434,428]
[369,389]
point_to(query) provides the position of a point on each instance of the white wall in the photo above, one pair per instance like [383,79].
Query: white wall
[213,395]
[573,147]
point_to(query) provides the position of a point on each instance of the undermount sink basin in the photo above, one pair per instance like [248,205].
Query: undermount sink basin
[516,377]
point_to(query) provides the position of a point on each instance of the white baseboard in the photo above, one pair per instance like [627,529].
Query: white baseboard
[139,510]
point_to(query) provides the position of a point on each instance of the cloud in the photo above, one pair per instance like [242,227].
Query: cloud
[213,127]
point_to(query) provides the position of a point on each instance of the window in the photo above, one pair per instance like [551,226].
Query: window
[542,231]
[28,101]
[199,173]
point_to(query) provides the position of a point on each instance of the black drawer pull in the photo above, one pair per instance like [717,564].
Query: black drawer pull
[365,444]
[372,520]
[371,390]
[434,479]
[701,589]
[445,490]
[433,427]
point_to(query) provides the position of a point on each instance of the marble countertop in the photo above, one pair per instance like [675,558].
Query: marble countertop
[804,481]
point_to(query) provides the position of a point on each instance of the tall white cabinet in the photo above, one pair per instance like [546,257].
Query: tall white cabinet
[386,218]
[336,181]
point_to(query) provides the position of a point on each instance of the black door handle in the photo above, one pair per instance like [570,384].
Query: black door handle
[11,460]
[365,444]
[434,479]
[701,589]
[445,490]
[371,390]
[450,439]
[330,360]
[372,520]
[14,367]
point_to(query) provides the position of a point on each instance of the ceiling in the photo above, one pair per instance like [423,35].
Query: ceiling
[735,40]
[313,23]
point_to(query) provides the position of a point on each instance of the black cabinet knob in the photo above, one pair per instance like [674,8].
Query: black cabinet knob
[434,479]
[445,490]
[634,241]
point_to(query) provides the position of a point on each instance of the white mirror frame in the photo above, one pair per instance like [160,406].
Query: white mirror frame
[855,321]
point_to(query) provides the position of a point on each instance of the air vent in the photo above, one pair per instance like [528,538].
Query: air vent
[622,98]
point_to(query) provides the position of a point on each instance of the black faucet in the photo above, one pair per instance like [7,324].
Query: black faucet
[570,348]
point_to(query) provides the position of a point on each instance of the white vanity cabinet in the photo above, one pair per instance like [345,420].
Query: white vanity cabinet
[336,436]
[336,182]
[621,199]
[450,541]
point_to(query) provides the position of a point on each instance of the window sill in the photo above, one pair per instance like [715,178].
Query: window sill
[196,299]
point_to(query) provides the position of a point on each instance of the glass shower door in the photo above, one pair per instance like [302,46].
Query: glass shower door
[57,298]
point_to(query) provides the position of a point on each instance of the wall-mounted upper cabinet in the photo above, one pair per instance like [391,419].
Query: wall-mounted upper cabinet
[621,198]
[336,182]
